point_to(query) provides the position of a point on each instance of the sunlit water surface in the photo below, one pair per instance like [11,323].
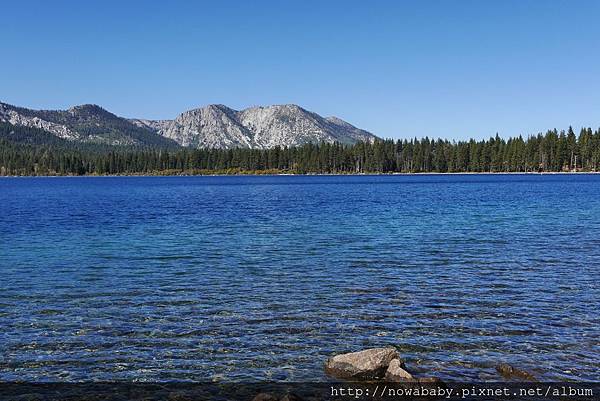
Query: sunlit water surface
[262,278]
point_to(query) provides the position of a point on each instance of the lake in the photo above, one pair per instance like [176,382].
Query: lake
[263,278]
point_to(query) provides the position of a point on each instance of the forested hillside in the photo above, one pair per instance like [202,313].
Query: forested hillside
[214,126]
[36,153]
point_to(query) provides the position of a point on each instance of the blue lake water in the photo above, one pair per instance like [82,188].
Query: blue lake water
[263,278]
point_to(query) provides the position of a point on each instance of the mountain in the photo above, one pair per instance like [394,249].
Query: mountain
[86,123]
[218,126]
[212,126]
[152,125]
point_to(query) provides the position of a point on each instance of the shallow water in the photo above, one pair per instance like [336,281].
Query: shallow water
[262,278]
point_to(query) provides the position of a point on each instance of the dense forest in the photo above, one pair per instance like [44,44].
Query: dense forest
[29,151]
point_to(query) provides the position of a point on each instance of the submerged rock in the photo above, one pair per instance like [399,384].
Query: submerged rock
[265,397]
[431,381]
[363,365]
[291,397]
[273,397]
[396,373]
[511,373]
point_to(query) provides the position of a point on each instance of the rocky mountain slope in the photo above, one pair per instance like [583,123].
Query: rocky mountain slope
[218,126]
[86,123]
[213,126]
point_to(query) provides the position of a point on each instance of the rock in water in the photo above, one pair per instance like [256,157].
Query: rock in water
[291,397]
[273,397]
[431,381]
[265,397]
[511,373]
[363,365]
[396,373]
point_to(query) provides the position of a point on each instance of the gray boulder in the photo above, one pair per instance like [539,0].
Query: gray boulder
[396,373]
[363,365]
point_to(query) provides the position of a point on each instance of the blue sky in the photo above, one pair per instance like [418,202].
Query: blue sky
[452,69]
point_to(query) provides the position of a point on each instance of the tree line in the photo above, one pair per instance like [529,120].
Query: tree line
[22,154]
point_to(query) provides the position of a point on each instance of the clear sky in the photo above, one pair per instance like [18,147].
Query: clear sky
[454,69]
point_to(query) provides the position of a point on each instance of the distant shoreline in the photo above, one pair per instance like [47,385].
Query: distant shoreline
[303,175]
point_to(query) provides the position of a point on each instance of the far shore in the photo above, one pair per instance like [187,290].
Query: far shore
[271,174]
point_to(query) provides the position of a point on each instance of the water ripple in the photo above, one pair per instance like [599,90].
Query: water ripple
[262,278]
